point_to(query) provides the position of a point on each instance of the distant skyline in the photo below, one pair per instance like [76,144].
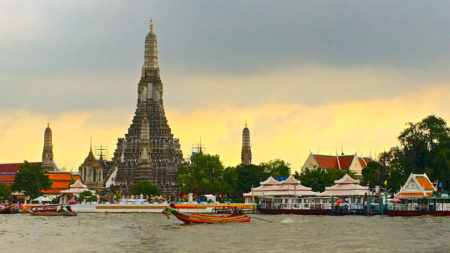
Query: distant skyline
[304,75]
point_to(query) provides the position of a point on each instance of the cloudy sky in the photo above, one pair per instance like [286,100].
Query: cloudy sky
[306,75]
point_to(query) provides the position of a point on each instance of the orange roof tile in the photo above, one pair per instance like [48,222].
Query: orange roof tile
[76,178]
[60,185]
[59,176]
[51,191]
[327,161]
[14,167]
[425,183]
[345,161]
[367,159]
[410,194]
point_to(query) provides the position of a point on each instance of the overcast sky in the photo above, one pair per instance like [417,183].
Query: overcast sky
[245,58]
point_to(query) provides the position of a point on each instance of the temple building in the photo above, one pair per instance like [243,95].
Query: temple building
[246,153]
[91,172]
[47,153]
[354,163]
[149,151]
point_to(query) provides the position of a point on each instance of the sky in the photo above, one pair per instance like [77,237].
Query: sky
[306,76]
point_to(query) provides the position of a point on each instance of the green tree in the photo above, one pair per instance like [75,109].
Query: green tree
[374,174]
[144,188]
[205,174]
[86,195]
[424,148]
[4,192]
[30,179]
[320,178]
[93,198]
[277,168]
[248,176]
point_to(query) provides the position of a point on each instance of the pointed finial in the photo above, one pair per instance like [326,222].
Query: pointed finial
[151,25]
[245,123]
[91,144]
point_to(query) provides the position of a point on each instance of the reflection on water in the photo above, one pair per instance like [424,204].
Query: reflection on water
[265,233]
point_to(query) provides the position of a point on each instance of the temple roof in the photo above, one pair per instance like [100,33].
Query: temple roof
[416,186]
[90,161]
[339,161]
[8,171]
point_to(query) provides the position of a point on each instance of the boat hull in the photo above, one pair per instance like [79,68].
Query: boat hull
[53,214]
[11,209]
[404,213]
[439,213]
[210,219]
[294,211]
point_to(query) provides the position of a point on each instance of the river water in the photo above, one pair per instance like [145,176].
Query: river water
[145,232]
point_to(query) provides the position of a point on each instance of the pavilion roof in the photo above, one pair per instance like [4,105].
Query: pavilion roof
[291,180]
[346,186]
[416,186]
[78,184]
[346,179]
[288,187]
[270,181]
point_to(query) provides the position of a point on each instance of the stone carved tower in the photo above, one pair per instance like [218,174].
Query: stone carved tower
[47,153]
[149,152]
[246,153]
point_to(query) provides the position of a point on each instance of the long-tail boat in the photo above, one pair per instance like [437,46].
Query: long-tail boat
[8,209]
[201,218]
[50,210]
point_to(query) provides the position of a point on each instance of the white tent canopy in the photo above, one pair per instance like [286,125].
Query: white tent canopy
[210,197]
[42,199]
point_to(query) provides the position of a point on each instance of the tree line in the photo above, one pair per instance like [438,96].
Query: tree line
[424,147]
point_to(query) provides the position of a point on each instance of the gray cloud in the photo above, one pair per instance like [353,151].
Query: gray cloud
[80,55]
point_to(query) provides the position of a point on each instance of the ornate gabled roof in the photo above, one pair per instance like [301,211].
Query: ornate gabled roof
[416,186]
[346,179]
[90,161]
[270,181]
[339,161]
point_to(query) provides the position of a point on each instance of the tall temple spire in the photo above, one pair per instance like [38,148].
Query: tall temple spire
[149,151]
[246,153]
[151,52]
[47,152]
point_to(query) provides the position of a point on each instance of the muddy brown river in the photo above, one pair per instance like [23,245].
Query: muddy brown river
[103,232]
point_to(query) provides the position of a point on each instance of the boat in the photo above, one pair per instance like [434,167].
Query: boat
[202,218]
[8,209]
[50,210]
